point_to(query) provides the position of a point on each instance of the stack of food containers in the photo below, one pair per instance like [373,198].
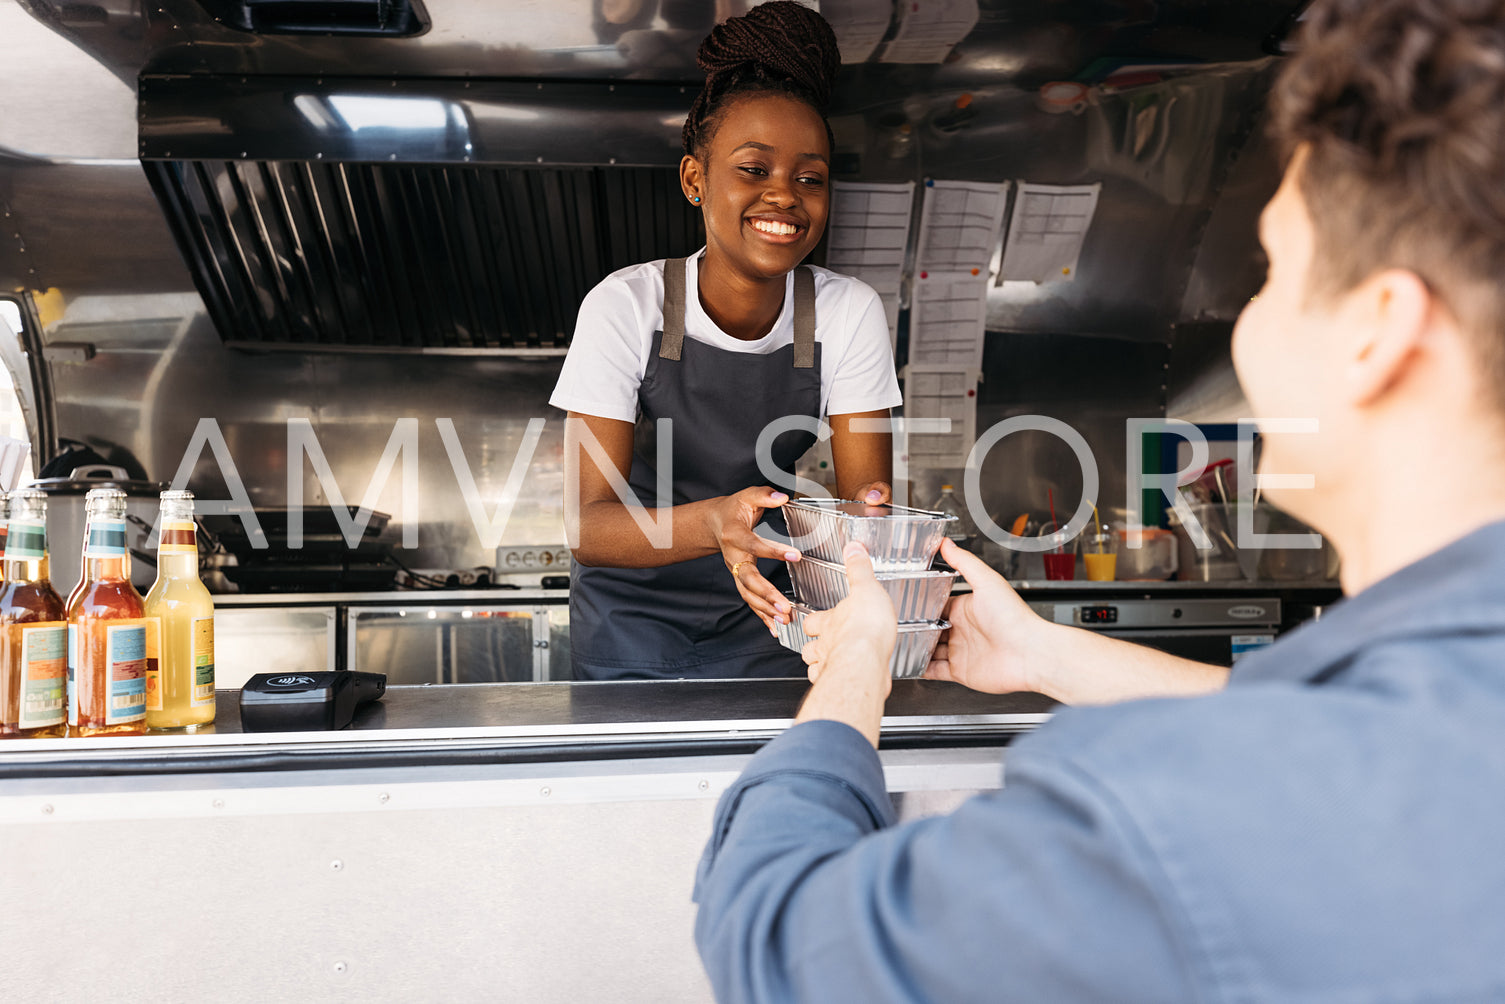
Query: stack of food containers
[902,543]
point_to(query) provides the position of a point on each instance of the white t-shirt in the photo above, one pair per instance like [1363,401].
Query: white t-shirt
[614,338]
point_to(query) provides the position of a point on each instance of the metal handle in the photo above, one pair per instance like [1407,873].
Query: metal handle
[99,471]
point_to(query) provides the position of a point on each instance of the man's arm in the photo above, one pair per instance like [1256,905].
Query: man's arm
[1043,891]
[998,645]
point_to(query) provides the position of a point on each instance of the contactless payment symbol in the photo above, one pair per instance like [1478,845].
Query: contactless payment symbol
[291,681]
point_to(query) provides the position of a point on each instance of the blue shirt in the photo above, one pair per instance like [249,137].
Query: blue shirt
[1331,827]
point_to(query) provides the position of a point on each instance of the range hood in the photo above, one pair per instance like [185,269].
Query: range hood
[402,257]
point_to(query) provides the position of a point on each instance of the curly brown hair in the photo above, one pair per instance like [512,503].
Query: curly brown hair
[780,47]
[1399,107]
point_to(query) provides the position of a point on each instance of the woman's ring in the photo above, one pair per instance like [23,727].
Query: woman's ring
[738,564]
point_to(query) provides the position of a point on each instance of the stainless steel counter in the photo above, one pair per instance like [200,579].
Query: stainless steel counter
[448,725]
[393,597]
[500,597]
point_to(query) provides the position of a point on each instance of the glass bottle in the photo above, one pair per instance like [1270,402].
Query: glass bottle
[33,628]
[106,629]
[180,626]
[4,527]
[964,531]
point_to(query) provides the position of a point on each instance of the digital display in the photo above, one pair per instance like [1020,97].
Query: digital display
[1099,615]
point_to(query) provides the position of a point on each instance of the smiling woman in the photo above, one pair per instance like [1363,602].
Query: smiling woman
[721,364]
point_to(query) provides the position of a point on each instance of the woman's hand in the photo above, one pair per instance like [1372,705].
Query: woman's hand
[731,521]
[992,633]
[874,493]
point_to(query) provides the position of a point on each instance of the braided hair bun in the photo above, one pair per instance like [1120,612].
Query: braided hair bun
[779,47]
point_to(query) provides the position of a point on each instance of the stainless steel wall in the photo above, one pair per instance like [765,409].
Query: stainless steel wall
[1140,332]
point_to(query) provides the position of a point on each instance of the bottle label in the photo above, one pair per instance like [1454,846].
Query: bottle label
[72,674]
[203,661]
[44,671]
[178,537]
[125,672]
[106,538]
[154,664]
[26,541]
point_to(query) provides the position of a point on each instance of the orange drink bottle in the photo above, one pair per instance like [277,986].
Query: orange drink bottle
[106,629]
[33,628]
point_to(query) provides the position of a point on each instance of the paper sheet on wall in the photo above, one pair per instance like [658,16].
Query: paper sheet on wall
[859,26]
[959,225]
[1046,232]
[944,392]
[929,30]
[947,319]
[867,236]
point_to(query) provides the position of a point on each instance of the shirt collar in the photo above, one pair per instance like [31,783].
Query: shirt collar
[1460,588]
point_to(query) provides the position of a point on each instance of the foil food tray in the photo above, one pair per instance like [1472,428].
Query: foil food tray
[898,538]
[917,596]
[911,651]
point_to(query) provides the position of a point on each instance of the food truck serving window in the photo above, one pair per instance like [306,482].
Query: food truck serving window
[14,438]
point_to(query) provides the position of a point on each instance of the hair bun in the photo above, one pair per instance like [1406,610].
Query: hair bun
[782,40]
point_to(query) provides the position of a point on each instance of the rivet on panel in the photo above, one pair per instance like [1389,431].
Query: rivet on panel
[391,156]
[545,792]
[704,785]
[340,967]
[219,803]
[384,798]
[337,865]
[46,810]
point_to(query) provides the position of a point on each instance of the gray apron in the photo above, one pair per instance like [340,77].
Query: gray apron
[687,619]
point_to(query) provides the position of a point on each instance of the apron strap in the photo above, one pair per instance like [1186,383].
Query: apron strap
[674,309]
[674,313]
[804,318]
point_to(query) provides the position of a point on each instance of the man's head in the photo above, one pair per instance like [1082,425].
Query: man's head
[1387,237]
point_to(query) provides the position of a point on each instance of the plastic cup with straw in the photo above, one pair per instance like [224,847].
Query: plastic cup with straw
[1060,563]
[1100,555]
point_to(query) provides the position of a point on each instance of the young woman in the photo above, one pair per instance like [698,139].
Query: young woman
[724,344]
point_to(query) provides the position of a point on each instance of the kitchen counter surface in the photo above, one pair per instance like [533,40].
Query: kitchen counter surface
[530,597]
[413,726]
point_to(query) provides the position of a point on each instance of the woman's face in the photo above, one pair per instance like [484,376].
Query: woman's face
[764,185]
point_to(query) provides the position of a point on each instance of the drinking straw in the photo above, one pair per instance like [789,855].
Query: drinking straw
[1050,495]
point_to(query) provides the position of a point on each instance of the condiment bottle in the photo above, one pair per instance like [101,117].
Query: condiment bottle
[964,530]
[180,626]
[106,629]
[33,628]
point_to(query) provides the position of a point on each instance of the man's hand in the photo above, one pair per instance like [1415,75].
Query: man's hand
[998,645]
[849,656]
[992,631]
[731,522]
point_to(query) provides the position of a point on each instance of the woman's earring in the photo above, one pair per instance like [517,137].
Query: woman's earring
[695,199]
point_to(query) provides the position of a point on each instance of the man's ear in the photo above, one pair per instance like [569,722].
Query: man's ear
[692,179]
[1388,317]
